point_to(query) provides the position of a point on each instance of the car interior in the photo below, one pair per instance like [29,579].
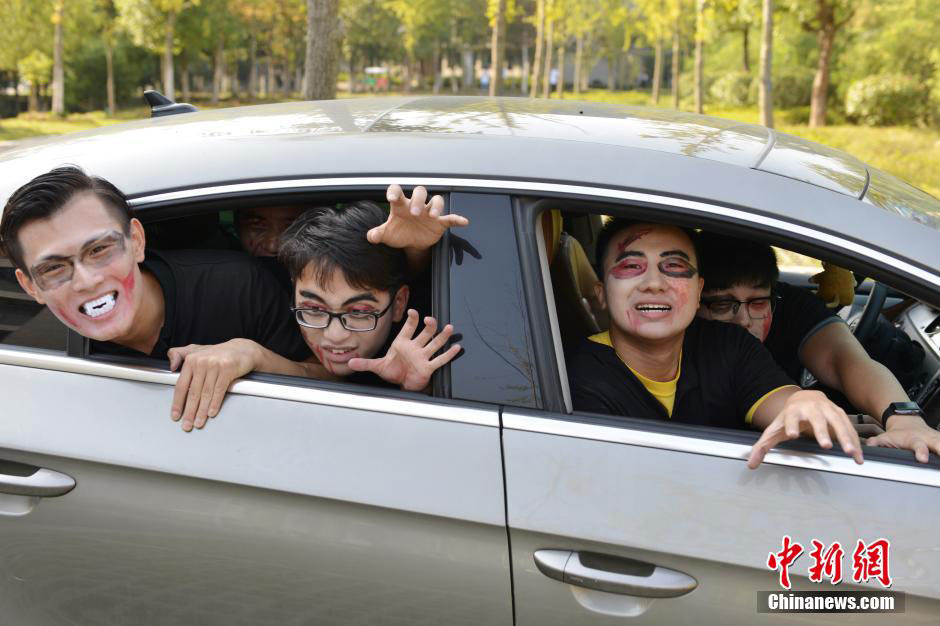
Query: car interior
[901,332]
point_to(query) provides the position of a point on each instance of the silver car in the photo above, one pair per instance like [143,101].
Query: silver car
[489,501]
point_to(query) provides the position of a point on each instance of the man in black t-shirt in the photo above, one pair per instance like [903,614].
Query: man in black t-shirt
[350,296]
[655,362]
[800,331]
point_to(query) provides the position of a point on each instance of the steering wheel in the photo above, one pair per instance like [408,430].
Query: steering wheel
[863,325]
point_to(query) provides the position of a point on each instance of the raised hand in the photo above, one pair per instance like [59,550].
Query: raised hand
[412,222]
[410,360]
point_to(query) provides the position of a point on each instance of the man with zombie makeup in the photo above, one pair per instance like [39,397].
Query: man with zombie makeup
[78,250]
[350,295]
[797,328]
[659,361]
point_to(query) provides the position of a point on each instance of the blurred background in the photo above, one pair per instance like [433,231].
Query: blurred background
[859,75]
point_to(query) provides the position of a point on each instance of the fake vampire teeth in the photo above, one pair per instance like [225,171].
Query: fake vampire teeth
[99,306]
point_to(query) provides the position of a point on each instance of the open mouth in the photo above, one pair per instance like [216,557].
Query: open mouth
[653,311]
[339,355]
[99,306]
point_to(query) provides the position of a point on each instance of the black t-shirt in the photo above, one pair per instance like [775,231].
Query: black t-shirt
[212,296]
[724,371]
[798,316]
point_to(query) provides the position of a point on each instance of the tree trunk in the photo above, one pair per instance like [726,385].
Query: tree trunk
[526,66]
[539,37]
[184,83]
[560,89]
[468,62]
[437,61]
[322,49]
[253,74]
[497,49]
[33,106]
[272,78]
[109,65]
[765,100]
[699,56]
[578,56]
[675,65]
[817,108]
[549,42]
[169,34]
[746,54]
[218,69]
[58,70]
[657,70]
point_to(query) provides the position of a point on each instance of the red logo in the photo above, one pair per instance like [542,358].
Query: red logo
[783,559]
[871,562]
[826,563]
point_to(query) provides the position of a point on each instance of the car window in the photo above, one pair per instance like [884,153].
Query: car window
[900,341]
[488,306]
[23,321]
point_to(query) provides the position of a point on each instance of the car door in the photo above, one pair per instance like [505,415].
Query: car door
[301,503]
[619,520]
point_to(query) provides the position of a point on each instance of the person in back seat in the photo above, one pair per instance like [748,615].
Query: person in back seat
[349,295]
[798,329]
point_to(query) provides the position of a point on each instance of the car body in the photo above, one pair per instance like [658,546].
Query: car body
[315,502]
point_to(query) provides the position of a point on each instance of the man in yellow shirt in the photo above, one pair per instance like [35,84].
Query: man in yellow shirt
[659,361]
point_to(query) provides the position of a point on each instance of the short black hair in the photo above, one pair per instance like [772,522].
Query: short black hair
[729,261]
[45,195]
[617,224]
[334,238]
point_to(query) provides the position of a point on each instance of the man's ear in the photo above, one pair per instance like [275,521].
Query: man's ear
[27,284]
[138,239]
[401,303]
[600,295]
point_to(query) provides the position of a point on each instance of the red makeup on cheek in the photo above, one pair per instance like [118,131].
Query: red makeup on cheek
[128,283]
[326,363]
[62,316]
[766,329]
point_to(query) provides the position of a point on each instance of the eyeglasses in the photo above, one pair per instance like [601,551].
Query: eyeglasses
[727,308]
[355,321]
[56,272]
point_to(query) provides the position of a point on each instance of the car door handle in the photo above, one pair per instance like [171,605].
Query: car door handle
[43,483]
[613,574]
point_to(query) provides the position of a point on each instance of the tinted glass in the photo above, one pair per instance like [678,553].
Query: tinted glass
[488,307]
[892,193]
[23,321]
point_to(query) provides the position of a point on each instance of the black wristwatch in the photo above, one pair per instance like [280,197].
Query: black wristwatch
[900,408]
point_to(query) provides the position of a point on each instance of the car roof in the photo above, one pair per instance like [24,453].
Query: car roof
[617,146]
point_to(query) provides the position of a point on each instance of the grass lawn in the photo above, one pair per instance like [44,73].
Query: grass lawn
[912,154]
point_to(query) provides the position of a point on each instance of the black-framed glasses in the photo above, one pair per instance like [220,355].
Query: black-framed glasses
[57,271]
[723,308]
[355,321]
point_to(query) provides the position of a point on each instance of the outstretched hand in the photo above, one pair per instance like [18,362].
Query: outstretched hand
[410,360]
[808,413]
[206,374]
[412,222]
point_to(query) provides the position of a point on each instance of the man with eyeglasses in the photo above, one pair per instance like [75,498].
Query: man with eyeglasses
[78,250]
[350,296]
[741,287]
